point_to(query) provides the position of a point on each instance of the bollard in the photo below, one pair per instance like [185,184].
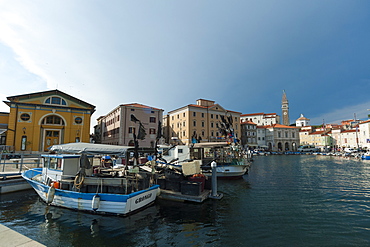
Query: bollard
[214,194]
[214,178]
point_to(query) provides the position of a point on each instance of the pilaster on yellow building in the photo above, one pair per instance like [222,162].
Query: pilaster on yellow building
[200,121]
[39,120]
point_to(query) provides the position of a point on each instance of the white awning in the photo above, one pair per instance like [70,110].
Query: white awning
[2,131]
[89,148]
[211,144]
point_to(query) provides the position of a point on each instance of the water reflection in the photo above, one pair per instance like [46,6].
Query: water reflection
[283,201]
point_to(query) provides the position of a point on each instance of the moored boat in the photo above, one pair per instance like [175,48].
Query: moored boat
[231,160]
[72,181]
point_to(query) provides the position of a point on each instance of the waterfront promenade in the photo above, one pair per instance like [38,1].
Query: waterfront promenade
[10,238]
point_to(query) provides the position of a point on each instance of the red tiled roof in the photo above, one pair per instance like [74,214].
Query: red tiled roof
[255,114]
[283,126]
[367,121]
[349,131]
[247,122]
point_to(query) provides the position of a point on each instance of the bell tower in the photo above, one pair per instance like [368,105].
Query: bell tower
[285,109]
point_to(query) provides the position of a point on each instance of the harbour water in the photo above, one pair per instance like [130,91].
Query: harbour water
[285,200]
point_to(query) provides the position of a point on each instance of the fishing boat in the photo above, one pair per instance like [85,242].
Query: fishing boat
[231,160]
[70,179]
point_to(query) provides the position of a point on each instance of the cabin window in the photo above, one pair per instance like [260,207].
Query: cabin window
[53,163]
[180,150]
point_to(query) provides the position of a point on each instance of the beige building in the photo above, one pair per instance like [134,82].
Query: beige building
[282,137]
[200,121]
[118,127]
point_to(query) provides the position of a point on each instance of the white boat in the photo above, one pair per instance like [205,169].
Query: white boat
[71,181]
[231,161]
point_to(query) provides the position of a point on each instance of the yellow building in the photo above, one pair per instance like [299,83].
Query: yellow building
[4,119]
[37,121]
[200,121]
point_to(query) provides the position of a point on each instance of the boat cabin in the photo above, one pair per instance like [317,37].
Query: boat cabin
[60,166]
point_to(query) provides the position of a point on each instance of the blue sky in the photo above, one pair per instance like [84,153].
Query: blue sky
[167,54]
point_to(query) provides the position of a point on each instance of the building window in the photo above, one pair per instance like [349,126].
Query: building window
[55,101]
[152,120]
[202,123]
[131,130]
[25,116]
[194,123]
[23,143]
[211,115]
[78,120]
[194,114]
[202,114]
[211,124]
[152,131]
[53,120]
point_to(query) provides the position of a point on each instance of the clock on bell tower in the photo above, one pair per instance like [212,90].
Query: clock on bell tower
[285,109]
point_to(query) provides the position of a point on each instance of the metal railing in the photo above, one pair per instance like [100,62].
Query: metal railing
[12,164]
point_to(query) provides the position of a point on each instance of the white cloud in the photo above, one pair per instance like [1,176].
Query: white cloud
[338,115]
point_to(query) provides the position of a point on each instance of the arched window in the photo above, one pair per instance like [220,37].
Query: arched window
[55,101]
[53,120]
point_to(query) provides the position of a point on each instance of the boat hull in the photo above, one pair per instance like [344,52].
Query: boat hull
[229,171]
[365,157]
[116,204]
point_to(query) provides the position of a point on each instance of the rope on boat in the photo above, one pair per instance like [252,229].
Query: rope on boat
[79,180]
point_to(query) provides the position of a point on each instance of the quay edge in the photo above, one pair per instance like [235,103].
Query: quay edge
[11,238]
